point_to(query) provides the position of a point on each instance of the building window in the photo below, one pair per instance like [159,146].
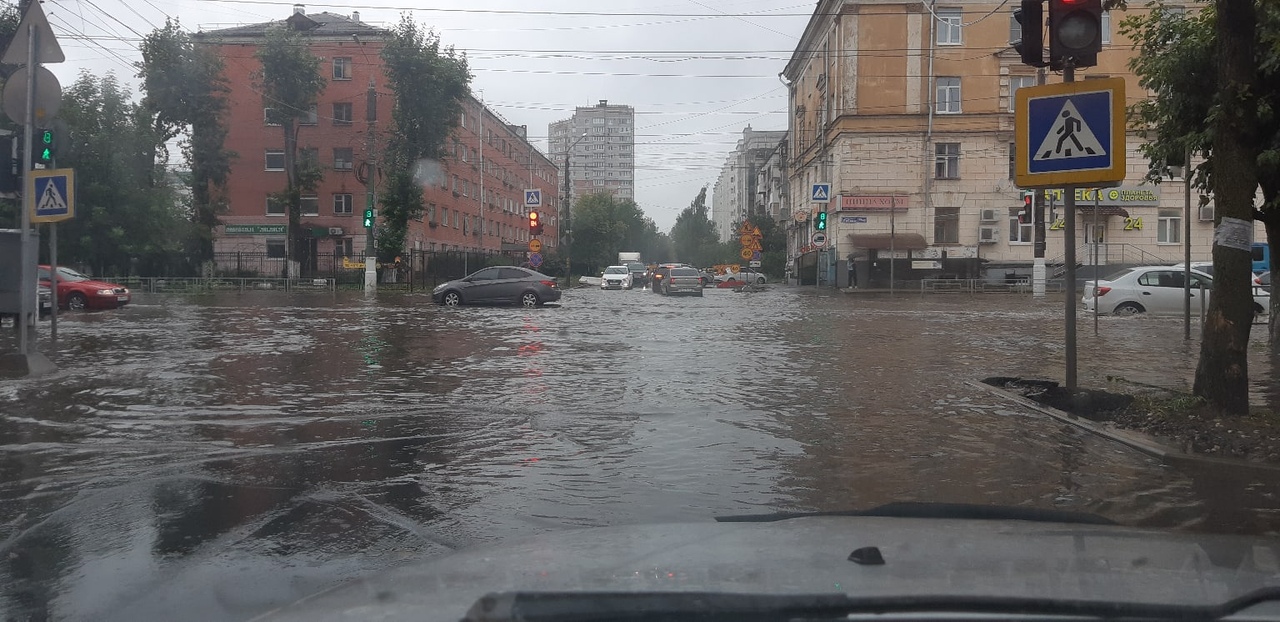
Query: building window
[1015,83]
[342,68]
[1019,232]
[343,247]
[309,205]
[1106,27]
[274,207]
[948,95]
[1015,30]
[946,225]
[309,156]
[275,249]
[947,161]
[311,117]
[275,159]
[949,26]
[457,219]
[342,113]
[342,203]
[343,160]
[1169,226]
[269,116]
[444,217]
[1013,160]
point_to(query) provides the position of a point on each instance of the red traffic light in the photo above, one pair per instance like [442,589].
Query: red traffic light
[533,218]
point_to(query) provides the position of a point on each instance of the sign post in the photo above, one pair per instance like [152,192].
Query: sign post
[1068,135]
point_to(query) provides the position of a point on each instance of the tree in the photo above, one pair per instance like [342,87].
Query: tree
[187,95]
[429,84]
[604,225]
[693,236]
[1215,95]
[128,218]
[290,83]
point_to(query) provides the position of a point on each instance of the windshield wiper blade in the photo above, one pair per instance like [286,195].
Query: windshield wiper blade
[714,607]
[914,509]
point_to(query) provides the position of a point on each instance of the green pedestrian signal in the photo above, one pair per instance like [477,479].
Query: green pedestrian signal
[820,222]
[368,218]
[44,150]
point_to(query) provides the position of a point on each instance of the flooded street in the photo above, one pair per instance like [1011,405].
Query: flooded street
[229,453]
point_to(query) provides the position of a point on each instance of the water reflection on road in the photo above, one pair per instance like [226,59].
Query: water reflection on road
[232,452]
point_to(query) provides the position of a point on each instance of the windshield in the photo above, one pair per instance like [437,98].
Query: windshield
[395,282]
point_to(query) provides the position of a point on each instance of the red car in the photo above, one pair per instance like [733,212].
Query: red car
[77,291]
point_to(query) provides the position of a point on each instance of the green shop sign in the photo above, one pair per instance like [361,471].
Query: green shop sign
[254,229]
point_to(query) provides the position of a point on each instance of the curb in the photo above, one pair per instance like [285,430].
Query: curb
[1140,441]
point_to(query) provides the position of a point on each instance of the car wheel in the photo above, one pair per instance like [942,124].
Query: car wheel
[530,299]
[1128,308]
[760,281]
[76,301]
[451,299]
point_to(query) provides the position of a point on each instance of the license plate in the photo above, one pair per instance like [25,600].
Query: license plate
[122,298]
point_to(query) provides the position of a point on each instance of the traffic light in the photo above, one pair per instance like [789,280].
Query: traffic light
[1026,216]
[368,218]
[1075,32]
[1030,45]
[44,147]
[535,223]
[820,222]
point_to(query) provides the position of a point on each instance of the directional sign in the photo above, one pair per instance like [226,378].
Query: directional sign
[820,193]
[1071,133]
[535,245]
[51,195]
[818,239]
[533,197]
[535,259]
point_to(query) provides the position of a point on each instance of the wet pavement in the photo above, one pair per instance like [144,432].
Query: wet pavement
[220,455]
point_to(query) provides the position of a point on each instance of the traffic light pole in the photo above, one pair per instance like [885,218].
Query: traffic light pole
[1069,240]
[1038,271]
[371,194]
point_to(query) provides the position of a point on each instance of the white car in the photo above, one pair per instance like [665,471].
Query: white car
[1156,290]
[745,275]
[1207,268]
[616,277]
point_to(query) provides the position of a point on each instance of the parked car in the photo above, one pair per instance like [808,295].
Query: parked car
[1207,268]
[746,275]
[1264,280]
[77,291]
[683,281]
[616,277]
[498,285]
[1154,289]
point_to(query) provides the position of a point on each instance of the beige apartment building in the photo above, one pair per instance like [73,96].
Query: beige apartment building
[906,109]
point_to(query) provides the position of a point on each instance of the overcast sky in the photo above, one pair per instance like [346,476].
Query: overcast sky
[696,71]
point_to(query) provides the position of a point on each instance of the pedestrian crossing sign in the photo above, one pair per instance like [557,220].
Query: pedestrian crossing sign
[1072,133]
[50,195]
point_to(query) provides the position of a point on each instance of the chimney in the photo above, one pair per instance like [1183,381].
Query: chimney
[355,16]
[299,9]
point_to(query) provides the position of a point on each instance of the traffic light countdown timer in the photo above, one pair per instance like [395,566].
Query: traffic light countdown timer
[535,223]
[820,221]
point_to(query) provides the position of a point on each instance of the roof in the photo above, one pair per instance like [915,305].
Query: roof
[314,24]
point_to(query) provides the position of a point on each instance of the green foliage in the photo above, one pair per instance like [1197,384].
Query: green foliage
[429,85]
[604,225]
[187,95]
[128,218]
[693,236]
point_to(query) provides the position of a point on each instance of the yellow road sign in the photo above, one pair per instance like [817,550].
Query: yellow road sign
[1070,133]
[535,245]
[746,240]
[745,254]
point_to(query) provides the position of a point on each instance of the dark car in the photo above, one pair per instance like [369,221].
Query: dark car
[639,273]
[77,291]
[499,285]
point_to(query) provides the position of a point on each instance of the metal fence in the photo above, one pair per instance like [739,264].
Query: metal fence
[224,283]
[426,269]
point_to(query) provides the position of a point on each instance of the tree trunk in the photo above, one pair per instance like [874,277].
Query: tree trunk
[1222,376]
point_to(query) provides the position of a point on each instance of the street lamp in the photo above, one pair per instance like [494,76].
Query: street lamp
[564,219]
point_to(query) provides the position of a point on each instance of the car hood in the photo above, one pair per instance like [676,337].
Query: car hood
[617,277]
[962,558]
[92,284]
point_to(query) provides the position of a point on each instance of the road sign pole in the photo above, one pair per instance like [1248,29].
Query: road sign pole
[893,251]
[1069,239]
[27,272]
[53,282]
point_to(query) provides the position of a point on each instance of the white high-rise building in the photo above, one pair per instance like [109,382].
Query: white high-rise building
[600,142]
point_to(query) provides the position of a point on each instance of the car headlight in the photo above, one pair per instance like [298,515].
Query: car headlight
[105,292]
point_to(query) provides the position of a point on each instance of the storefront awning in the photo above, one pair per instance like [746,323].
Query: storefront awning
[1103,210]
[882,241]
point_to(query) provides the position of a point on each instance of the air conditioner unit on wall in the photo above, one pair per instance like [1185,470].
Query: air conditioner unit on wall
[335,230]
[988,235]
[988,215]
[1206,213]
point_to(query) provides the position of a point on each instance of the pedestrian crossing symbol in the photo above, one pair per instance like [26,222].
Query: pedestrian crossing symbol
[1069,137]
[1070,133]
[821,193]
[50,195]
[532,197]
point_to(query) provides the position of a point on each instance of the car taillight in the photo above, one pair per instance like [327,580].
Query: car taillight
[548,283]
[657,276]
[1102,291]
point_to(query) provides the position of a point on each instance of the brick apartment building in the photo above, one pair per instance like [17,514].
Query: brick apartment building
[474,196]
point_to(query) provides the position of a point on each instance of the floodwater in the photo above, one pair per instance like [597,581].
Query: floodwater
[221,455]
